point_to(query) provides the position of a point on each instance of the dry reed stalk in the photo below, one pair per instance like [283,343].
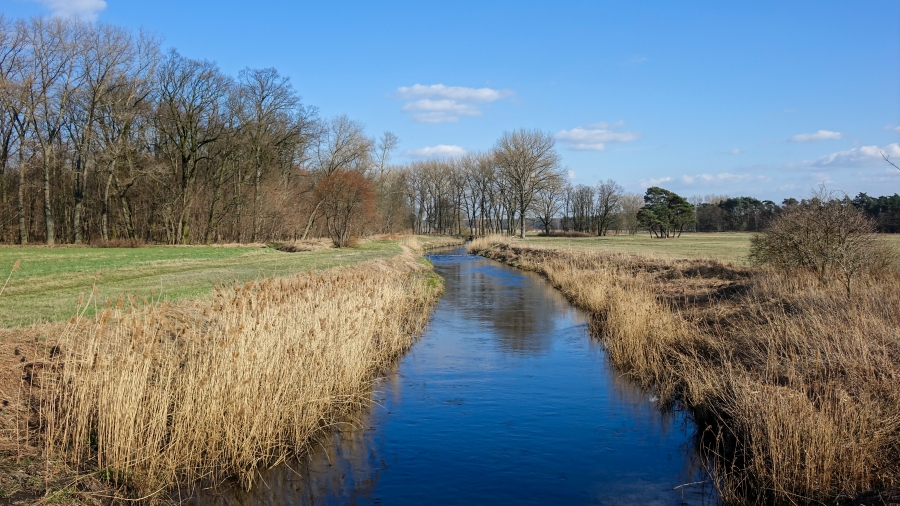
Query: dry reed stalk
[160,395]
[799,387]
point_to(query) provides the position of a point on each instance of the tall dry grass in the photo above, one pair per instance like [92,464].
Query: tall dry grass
[167,395]
[795,388]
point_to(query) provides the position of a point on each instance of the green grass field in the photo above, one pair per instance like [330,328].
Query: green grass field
[726,246]
[50,281]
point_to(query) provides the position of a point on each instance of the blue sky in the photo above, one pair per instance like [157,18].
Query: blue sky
[766,99]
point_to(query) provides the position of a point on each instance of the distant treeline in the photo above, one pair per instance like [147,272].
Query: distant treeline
[747,214]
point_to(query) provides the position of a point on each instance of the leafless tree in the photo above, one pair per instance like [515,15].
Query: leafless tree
[191,102]
[548,204]
[528,163]
[629,205]
[609,194]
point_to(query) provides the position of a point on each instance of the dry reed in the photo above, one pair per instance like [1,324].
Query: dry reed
[164,395]
[795,387]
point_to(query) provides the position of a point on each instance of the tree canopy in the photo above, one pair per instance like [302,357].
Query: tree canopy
[665,213]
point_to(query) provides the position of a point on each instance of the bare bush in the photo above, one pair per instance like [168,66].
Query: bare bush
[825,235]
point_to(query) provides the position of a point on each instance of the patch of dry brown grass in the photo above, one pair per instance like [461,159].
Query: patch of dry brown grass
[147,398]
[796,387]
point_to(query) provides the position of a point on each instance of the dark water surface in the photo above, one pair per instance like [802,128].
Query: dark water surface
[505,400]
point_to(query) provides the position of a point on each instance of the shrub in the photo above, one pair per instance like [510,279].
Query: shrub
[825,235]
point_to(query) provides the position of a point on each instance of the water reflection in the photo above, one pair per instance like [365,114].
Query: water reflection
[504,400]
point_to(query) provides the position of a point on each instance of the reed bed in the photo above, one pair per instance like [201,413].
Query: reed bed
[161,396]
[795,387]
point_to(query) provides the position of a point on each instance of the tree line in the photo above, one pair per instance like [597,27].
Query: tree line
[104,135]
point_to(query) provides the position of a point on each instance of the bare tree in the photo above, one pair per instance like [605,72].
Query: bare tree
[192,94]
[528,163]
[609,194]
[548,204]
[53,43]
[629,205]
[272,120]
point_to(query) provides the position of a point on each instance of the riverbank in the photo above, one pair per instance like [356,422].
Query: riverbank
[141,399]
[794,384]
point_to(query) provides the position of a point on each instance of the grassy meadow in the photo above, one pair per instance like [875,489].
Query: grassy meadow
[50,281]
[732,247]
[728,247]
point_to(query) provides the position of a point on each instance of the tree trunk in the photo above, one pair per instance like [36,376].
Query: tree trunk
[78,196]
[48,208]
[23,227]
[104,214]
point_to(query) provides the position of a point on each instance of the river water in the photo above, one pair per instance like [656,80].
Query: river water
[504,400]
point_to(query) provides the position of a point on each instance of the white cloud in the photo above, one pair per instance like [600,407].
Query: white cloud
[82,9]
[439,151]
[595,137]
[821,135]
[864,155]
[735,151]
[892,127]
[438,103]
[723,178]
[655,181]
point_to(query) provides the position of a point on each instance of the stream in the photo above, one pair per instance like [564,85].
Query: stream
[505,399]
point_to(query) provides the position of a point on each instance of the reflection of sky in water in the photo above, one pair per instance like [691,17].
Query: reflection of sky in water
[505,400]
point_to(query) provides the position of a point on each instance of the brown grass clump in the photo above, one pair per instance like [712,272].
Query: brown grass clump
[165,395]
[795,387]
[304,245]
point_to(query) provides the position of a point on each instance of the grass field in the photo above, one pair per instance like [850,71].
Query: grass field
[49,282]
[726,246]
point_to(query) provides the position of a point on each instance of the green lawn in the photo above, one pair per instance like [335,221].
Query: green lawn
[49,281]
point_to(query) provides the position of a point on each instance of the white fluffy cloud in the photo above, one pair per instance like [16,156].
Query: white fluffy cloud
[707,180]
[82,9]
[863,155]
[595,137]
[438,103]
[723,178]
[655,181]
[439,151]
[821,135]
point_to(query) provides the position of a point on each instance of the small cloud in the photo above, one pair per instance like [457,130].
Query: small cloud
[655,181]
[723,178]
[82,9]
[595,137]
[821,135]
[733,151]
[439,151]
[570,174]
[438,103]
[864,155]
[892,127]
